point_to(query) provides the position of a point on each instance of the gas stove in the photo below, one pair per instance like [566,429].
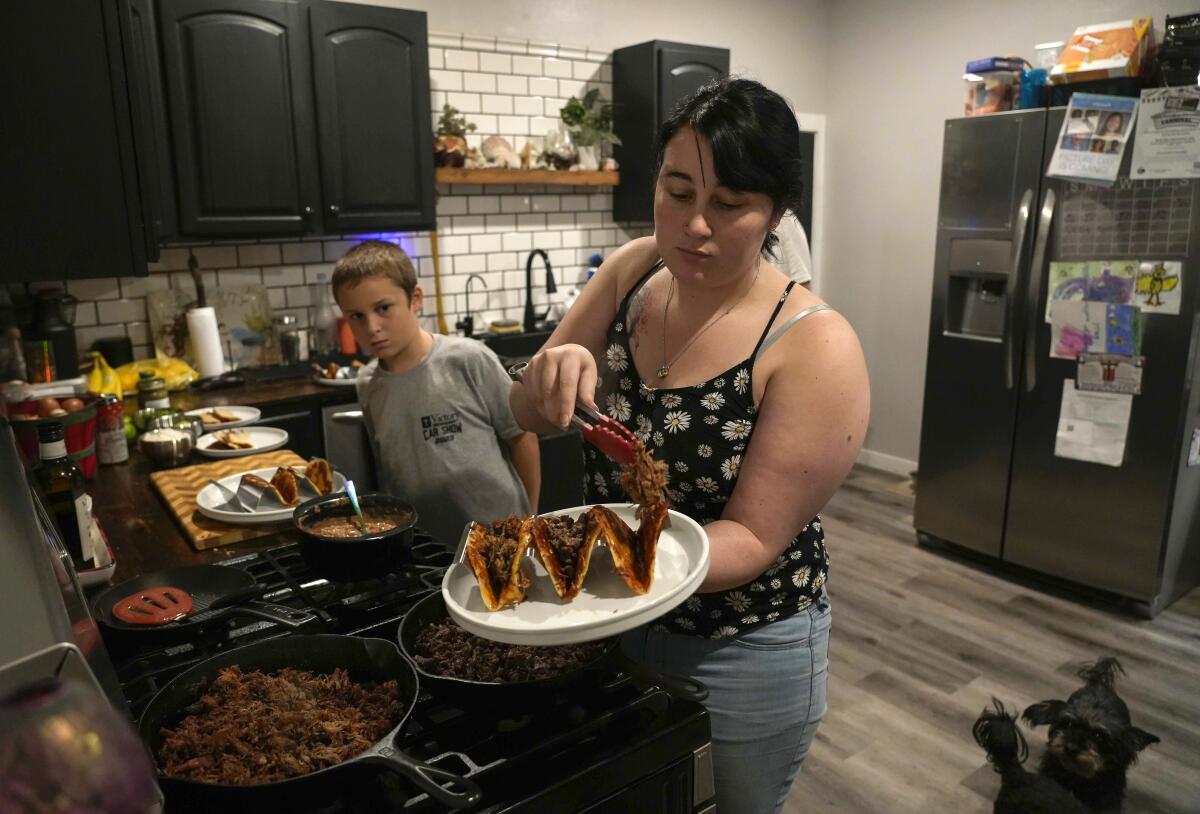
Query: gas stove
[618,746]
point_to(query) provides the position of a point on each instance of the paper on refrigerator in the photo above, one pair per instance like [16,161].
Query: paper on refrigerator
[1168,134]
[1093,138]
[1092,426]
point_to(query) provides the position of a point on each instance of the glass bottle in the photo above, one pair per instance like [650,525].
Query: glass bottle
[325,327]
[61,482]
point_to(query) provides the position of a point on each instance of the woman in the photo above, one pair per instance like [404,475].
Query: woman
[754,392]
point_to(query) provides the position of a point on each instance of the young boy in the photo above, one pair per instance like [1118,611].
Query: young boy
[436,406]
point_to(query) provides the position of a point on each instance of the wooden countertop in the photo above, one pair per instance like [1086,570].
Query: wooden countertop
[143,535]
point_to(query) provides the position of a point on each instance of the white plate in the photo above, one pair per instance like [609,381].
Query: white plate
[209,498]
[334,382]
[605,606]
[246,416]
[264,439]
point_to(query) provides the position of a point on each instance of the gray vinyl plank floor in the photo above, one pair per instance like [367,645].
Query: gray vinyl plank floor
[923,640]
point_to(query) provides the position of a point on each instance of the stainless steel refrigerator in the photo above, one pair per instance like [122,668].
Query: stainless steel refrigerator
[988,476]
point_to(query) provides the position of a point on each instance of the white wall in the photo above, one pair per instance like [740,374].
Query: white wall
[895,76]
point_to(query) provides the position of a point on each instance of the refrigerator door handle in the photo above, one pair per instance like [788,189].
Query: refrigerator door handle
[1010,311]
[1045,218]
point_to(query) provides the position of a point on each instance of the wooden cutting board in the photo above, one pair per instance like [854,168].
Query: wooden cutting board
[178,489]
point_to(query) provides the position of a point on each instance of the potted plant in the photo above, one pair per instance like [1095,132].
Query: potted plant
[589,120]
[450,146]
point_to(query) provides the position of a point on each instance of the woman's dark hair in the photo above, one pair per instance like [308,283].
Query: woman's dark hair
[1118,115]
[754,136]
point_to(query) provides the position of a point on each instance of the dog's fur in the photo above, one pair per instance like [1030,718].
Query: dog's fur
[1092,741]
[1021,791]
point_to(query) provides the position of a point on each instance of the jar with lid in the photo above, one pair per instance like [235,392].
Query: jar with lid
[111,445]
[152,391]
[293,340]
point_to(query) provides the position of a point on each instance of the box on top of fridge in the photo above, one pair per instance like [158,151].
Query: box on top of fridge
[1104,51]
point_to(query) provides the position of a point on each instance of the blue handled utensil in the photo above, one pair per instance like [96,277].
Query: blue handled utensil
[362,524]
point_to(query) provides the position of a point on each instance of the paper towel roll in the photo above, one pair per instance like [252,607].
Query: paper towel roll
[206,341]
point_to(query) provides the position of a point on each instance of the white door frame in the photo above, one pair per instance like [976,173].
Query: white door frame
[815,123]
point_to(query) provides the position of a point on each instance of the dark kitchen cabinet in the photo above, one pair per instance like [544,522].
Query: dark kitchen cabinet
[371,75]
[649,79]
[239,96]
[302,421]
[285,117]
[69,188]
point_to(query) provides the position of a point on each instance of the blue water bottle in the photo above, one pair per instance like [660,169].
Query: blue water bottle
[1033,89]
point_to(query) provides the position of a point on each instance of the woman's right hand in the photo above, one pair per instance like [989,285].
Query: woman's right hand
[555,378]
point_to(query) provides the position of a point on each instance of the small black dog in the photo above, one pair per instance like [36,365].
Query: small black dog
[1021,791]
[1092,741]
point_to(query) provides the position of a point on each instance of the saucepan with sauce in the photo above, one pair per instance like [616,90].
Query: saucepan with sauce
[337,548]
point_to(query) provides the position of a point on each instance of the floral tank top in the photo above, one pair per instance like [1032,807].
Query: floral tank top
[702,431]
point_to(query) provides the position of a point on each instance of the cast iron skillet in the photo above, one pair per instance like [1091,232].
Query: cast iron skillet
[375,660]
[217,591]
[517,694]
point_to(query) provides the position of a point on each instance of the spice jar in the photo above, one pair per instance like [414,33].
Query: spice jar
[111,445]
[152,392]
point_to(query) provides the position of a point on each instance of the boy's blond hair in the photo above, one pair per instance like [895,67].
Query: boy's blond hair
[375,258]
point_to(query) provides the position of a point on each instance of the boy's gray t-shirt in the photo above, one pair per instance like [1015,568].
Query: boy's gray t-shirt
[438,433]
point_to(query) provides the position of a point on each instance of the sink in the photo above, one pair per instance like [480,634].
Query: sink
[516,346]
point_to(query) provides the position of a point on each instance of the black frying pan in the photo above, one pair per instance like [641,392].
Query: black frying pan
[375,660]
[216,591]
[518,694]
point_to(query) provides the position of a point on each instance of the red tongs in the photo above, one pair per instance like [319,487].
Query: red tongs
[609,436]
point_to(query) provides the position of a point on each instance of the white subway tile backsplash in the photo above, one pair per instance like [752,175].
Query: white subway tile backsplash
[182,280]
[258,254]
[483,204]
[469,264]
[481,244]
[518,241]
[85,314]
[515,203]
[589,220]
[540,125]
[497,104]
[495,63]
[479,82]
[445,81]
[573,238]
[510,46]
[121,311]
[573,203]
[436,57]
[559,220]
[468,225]
[454,244]
[545,203]
[217,257]
[501,261]
[543,86]
[101,288]
[443,39]
[530,223]
[239,277]
[465,102]
[301,253]
[514,124]
[140,286]
[138,332]
[451,205]
[479,43]
[530,66]
[516,85]
[545,49]
[556,67]
[526,105]
[552,107]
[170,260]
[462,60]
[576,88]
[283,275]
[586,70]
[278,297]
[314,270]
[300,296]
[565,52]
[334,249]
[562,257]
[501,223]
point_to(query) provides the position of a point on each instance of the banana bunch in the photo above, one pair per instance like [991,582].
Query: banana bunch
[103,379]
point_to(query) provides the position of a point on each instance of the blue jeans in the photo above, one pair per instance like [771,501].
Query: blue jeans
[766,699]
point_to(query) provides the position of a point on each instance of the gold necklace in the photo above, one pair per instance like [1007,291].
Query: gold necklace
[664,369]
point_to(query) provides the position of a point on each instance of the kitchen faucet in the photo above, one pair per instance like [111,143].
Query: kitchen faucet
[467,323]
[530,318]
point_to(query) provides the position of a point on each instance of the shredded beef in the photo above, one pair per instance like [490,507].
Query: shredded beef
[250,728]
[566,535]
[500,545]
[445,649]
[644,480]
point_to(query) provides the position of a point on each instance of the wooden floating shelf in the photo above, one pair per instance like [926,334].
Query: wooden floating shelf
[597,178]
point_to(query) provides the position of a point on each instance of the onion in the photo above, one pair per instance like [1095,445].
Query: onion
[63,747]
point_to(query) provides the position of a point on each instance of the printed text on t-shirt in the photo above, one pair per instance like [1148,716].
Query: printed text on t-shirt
[441,427]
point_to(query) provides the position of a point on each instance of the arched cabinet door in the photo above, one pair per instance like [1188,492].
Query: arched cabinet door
[239,94]
[371,77]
